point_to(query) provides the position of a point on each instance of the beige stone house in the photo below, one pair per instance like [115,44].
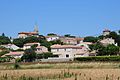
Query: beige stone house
[106,32]
[71,41]
[15,55]
[69,51]
[28,34]
[41,49]
[108,41]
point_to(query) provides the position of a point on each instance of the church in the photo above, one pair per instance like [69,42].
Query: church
[28,34]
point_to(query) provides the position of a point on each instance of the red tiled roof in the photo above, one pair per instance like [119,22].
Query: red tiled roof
[66,46]
[28,33]
[40,46]
[14,53]
[31,43]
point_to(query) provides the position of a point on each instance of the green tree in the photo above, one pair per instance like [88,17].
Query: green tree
[119,32]
[51,34]
[108,50]
[113,35]
[41,37]
[31,39]
[46,44]
[18,42]
[90,39]
[44,55]
[96,46]
[3,34]
[118,40]
[56,42]
[68,35]
[4,40]
[4,52]
[29,55]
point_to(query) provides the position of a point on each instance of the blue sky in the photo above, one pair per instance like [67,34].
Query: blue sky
[76,17]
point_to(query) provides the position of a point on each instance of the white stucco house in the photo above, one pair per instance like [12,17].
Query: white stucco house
[11,46]
[28,45]
[52,38]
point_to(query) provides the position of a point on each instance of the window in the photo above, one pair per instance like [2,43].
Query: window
[57,49]
[67,55]
[65,49]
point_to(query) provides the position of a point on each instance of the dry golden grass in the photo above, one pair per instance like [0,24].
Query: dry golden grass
[81,74]
[62,71]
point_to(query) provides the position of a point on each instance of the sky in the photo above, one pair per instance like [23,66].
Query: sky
[76,17]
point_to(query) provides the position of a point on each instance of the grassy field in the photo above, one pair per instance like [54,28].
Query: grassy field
[61,74]
[61,71]
[73,65]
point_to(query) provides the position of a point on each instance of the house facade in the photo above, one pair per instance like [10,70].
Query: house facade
[52,38]
[106,32]
[108,41]
[28,45]
[71,41]
[14,54]
[69,51]
[28,34]
[11,46]
[41,49]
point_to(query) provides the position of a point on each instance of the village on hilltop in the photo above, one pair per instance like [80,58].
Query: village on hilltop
[31,46]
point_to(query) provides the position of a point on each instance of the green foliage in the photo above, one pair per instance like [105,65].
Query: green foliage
[99,58]
[114,36]
[31,39]
[56,42]
[4,52]
[41,37]
[4,59]
[34,46]
[44,55]
[16,66]
[101,37]
[18,42]
[4,40]
[108,50]
[105,50]
[3,34]
[18,60]
[29,55]
[46,44]
[51,34]
[96,46]
[68,35]
[90,39]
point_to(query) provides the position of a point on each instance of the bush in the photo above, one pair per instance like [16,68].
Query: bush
[44,55]
[99,58]
[16,66]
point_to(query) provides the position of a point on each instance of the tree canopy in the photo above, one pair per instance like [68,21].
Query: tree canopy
[18,42]
[29,55]
[90,39]
[4,40]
